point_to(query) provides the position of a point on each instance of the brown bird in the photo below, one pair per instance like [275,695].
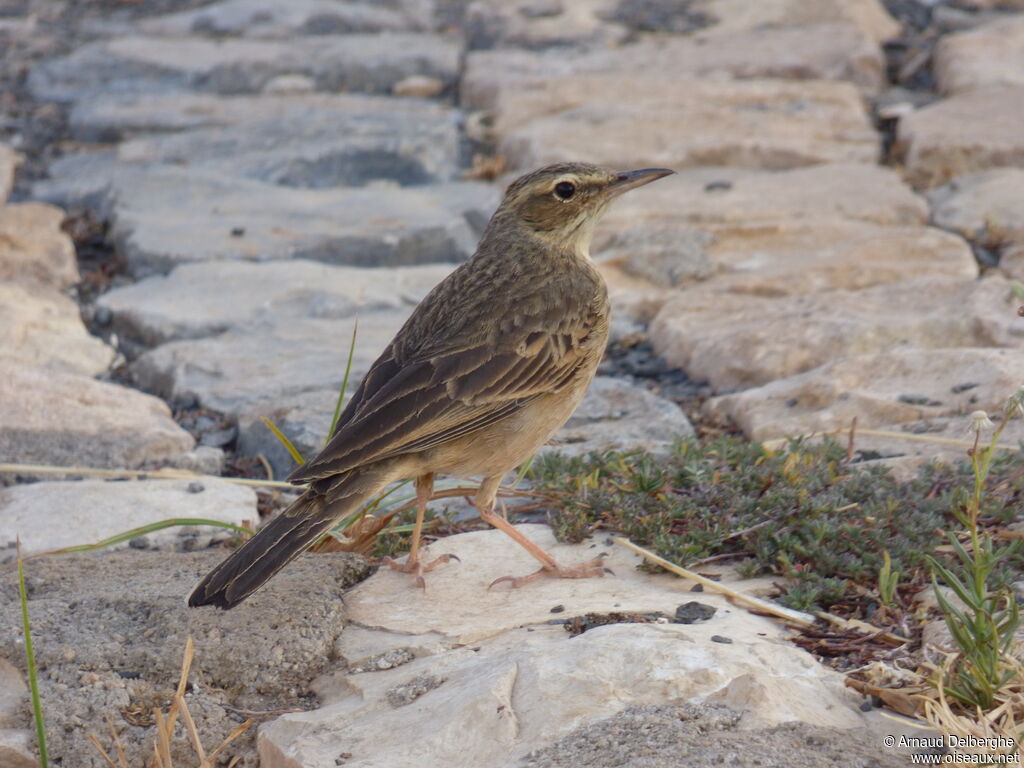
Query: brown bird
[490,364]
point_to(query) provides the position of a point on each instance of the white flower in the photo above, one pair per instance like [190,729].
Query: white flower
[980,421]
[1015,405]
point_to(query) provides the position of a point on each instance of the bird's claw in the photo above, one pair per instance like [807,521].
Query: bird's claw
[417,567]
[590,569]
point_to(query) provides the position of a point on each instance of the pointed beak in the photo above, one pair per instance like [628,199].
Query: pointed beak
[628,180]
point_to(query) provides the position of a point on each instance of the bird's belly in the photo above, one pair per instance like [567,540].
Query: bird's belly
[505,445]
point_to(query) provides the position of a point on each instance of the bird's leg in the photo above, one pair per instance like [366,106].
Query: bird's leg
[424,489]
[484,503]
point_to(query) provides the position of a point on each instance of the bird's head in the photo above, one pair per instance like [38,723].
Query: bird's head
[560,204]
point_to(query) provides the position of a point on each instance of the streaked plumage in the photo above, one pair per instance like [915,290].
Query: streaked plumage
[490,364]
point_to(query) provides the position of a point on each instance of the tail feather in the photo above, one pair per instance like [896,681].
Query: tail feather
[280,541]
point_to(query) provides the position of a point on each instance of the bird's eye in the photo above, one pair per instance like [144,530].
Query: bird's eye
[565,189]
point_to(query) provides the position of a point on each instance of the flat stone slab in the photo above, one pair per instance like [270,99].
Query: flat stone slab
[295,140]
[614,414]
[986,206]
[780,258]
[734,199]
[53,515]
[47,417]
[830,50]
[139,64]
[989,55]
[735,341]
[9,160]
[946,139]
[33,248]
[44,328]
[266,363]
[880,390]
[164,217]
[268,19]
[204,299]
[753,123]
[492,680]
[111,629]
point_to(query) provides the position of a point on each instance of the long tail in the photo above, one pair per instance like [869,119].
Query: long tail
[282,539]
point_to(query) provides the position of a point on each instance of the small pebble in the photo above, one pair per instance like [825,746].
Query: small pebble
[697,588]
[721,639]
[692,612]
[195,487]
[558,609]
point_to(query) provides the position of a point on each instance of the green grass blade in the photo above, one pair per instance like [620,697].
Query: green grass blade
[344,381]
[284,440]
[124,536]
[30,658]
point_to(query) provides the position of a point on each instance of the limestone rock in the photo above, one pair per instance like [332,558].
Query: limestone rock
[990,55]
[56,418]
[756,124]
[617,415]
[368,63]
[165,216]
[723,40]
[880,390]
[44,328]
[719,199]
[197,300]
[532,25]
[306,140]
[33,249]
[9,160]
[499,642]
[267,19]
[735,341]
[985,206]
[112,628]
[946,139]
[52,515]
[266,363]
[614,414]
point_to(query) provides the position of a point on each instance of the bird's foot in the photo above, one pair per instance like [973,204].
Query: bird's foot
[417,567]
[590,569]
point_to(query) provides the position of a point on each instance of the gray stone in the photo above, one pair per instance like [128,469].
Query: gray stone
[946,139]
[987,207]
[267,363]
[165,216]
[738,340]
[34,251]
[314,140]
[539,24]
[44,328]
[754,124]
[111,630]
[57,418]
[53,515]
[617,415]
[269,19]
[825,51]
[9,160]
[139,64]
[990,55]
[197,300]
[614,415]
[880,390]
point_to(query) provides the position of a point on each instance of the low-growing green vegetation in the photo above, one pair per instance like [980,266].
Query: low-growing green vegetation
[804,513]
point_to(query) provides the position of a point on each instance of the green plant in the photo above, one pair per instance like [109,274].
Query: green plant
[803,512]
[985,628]
[888,580]
[30,659]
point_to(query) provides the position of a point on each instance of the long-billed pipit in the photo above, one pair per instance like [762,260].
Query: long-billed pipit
[490,364]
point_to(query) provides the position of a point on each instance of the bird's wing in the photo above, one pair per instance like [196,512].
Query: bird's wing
[411,405]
